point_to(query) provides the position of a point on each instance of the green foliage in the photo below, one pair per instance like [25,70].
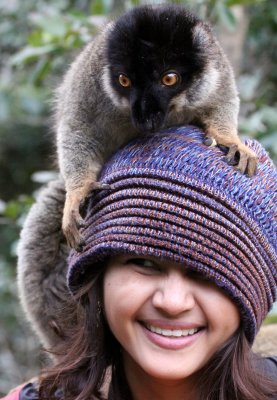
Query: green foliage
[54,34]
[38,39]
[14,341]
[271,319]
[33,53]
[259,80]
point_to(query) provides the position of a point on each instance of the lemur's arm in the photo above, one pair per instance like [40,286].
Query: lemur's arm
[42,267]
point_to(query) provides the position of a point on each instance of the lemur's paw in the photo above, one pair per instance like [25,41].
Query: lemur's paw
[74,239]
[243,158]
[237,153]
[209,141]
[100,186]
[72,222]
[75,204]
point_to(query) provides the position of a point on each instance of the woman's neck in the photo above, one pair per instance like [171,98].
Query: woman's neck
[144,386]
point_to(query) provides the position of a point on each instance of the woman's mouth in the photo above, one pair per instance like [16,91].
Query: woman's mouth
[172,332]
[171,339]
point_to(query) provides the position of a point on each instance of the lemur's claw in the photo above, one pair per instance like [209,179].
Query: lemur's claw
[100,186]
[237,154]
[75,206]
[223,148]
[243,158]
[80,246]
[209,141]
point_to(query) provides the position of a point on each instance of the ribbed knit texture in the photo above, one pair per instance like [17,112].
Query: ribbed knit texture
[174,198]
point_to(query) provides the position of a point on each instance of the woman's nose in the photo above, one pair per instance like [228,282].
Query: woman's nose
[174,294]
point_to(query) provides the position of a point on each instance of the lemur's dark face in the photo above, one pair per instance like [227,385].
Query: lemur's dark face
[153,56]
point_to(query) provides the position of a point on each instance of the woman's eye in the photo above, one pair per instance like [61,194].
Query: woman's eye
[197,276]
[144,264]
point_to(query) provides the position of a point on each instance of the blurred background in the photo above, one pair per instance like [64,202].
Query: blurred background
[38,40]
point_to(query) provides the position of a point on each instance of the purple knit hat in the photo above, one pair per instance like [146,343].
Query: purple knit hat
[176,199]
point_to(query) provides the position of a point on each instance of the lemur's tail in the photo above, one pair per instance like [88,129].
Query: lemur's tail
[42,267]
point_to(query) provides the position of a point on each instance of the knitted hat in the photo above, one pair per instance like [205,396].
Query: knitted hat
[176,199]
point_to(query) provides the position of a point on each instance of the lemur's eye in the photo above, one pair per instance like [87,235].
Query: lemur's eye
[170,79]
[124,81]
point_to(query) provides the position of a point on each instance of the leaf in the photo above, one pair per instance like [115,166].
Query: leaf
[4,106]
[253,123]
[271,319]
[270,141]
[248,85]
[31,104]
[269,115]
[12,210]
[231,3]
[78,14]
[40,71]
[30,53]
[35,39]
[107,5]
[226,15]
[15,208]
[55,25]
[97,7]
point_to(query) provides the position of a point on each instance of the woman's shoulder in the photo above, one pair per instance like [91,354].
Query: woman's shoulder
[268,366]
[14,393]
[272,363]
[26,391]
[29,391]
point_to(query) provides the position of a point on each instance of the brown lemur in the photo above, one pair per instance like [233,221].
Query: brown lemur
[152,68]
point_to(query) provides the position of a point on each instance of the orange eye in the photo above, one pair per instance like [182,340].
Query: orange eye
[170,79]
[124,81]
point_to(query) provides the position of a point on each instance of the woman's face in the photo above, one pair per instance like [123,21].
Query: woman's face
[168,321]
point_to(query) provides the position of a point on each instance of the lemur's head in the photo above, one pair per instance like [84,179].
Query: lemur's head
[158,60]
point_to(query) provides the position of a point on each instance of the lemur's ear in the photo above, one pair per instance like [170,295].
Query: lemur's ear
[202,36]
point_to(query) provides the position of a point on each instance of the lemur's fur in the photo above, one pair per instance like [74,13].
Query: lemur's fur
[42,265]
[152,68]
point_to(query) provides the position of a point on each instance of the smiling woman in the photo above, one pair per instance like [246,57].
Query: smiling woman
[168,328]
[177,275]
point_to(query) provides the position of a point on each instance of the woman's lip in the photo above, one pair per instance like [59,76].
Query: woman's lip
[172,342]
[172,325]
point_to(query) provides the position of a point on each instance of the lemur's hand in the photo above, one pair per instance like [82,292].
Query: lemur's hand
[72,220]
[238,154]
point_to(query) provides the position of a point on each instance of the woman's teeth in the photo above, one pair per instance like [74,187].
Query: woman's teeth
[172,332]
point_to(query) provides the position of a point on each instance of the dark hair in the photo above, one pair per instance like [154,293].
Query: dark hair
[90,352]
[234,373]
